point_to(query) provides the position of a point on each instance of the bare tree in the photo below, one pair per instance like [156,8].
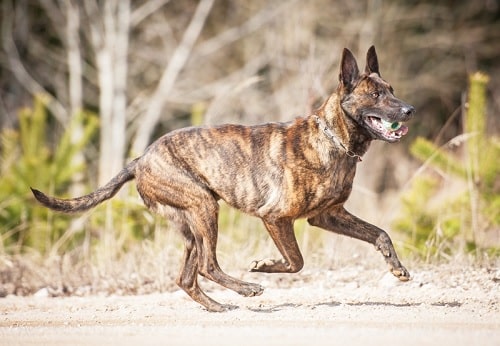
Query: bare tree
[74,58]
[109,28]
[169,76]
[74,55]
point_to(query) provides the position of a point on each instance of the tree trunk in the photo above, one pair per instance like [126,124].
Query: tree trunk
[74,59]
[110,43]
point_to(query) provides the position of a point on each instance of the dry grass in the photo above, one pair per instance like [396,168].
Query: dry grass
[151,265]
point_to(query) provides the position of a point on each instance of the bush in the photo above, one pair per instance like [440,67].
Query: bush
[453,207]
[26,160]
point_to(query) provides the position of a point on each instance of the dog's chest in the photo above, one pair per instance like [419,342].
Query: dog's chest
[303,192]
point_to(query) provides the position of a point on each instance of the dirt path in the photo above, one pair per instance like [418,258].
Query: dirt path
[440,306]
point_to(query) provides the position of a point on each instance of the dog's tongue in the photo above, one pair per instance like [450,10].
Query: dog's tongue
[403,130]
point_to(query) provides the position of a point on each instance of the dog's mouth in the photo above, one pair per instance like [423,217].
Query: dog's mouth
[386,130]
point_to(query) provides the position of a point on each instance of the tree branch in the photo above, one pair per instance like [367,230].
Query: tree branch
[234,34]
[169,76]
[20,72]
[145,10]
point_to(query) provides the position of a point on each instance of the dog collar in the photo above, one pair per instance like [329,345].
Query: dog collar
[326,130]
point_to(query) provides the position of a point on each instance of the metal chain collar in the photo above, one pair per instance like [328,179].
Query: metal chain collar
[326,130]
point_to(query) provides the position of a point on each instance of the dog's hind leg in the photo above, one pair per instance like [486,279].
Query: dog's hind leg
[203,224]
[282,233]
[342,222]
[188,275]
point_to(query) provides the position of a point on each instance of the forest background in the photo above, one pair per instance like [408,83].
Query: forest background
[86,85]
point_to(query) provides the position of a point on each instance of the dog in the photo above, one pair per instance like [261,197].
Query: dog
[278,172]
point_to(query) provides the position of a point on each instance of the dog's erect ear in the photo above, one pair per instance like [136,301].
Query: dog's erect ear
[349,71]
[371,61]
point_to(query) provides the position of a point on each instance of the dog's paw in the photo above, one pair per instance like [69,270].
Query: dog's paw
[262,265]
[221,307]
[252,290]
[401,273]
[269,265]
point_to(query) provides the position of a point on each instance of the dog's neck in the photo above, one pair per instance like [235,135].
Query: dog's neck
[332,137]
[339,128]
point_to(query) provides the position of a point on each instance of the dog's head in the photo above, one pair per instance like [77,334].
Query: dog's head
[369,100]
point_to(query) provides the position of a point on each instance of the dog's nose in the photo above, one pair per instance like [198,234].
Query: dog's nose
[408,110]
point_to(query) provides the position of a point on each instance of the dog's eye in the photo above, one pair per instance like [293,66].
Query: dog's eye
[375,94]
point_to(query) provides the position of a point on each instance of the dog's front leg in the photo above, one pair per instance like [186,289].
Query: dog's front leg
[342,222]
[281,231]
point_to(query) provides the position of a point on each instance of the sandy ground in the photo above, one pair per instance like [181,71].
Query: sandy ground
[353,306]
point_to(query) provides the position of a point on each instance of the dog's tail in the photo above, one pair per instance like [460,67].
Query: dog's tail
[89,201]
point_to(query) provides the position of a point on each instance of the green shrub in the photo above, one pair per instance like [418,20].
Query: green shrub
[454,206]
[27,160]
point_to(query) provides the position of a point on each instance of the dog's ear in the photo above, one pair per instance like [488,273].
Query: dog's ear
[371,61]
[349,71]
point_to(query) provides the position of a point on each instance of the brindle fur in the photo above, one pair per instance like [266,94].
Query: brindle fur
[278,172]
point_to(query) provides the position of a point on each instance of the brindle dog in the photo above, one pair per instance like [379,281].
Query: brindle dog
[278,172]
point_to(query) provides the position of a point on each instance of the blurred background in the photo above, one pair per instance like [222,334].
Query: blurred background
[86,85]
